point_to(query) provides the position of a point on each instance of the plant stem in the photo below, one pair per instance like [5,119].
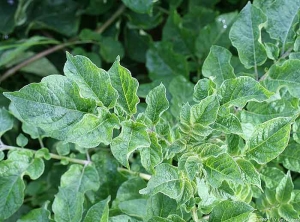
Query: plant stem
[41,142]
[141,175]
[73,41]
[52,155]
[195,215]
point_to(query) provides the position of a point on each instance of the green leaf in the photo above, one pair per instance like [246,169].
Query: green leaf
[12,170]
[269,140]
[203,88]
[228,124]
[6,121]
[40,214]
[126,87]
[94,83]
[231,211]
[216,33]
[7,12]
[249,173]
[152,156]
[132,137]
[217,65]
[271,176]
[239,91]
[163,62]
[220,168]
[68,205]
[139,6]
[246,37]
[93,130]
[167,181]
[110,48]
[54,105]
[284,189]
[283,17]
[289,157]
[21,140]
[98,212]
[157,103]
[285,75]
[288,213]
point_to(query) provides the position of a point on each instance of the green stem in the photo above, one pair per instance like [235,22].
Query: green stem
[41,142]
[195,215]
[52,155]
[141,175]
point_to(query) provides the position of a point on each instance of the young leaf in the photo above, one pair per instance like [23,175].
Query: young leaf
[203,88]
[22,140]
[126,87]
[217,65]
[94,83]
[246,37]
[285,75]
[269,140]
[239,91]
[6,121]
[157,103]
[54,105]
[231,211]
[132,137]
[93,130]
[283,17]
[220,168]
[98,212]
[284,189]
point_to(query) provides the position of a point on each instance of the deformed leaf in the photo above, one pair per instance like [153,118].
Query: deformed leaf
[249,173]
[98,212]
[245,35]
[6,121]
[126,87]
[132,137]
[217,65]
[54,105]
[94,82]
[231,211]
[167,181]
[269,140]
[93,130]
[239,91]
[284,189]
[222,167]
[157,103]
[283,15]
[203,88]
[285,75]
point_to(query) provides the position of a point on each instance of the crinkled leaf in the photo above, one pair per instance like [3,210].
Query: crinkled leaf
[239,91]
[139,6]
[231,211]
[249,173]
[54,105]
[94,82]
[167,181]
[290,157]
[217,65]
[285,75]
[132,137]
[68,205]
[203,88]
[269,140]
[6,121]
[284,189]
[93,130]
[98,212]
[220,168]
[287,212]
[152,156]
[283,15]
[157,103]
[126,87]
[245,35]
